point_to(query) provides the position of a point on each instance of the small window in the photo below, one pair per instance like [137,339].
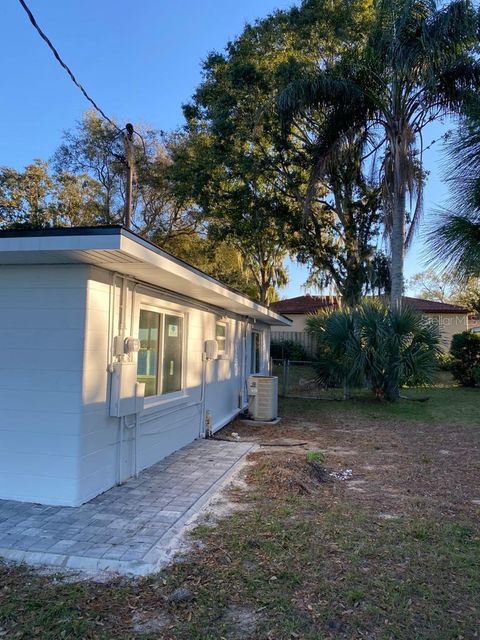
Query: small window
[221,336]
[256,353]
[160,358]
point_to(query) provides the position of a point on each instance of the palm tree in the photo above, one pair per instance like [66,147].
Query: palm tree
[376,346]
[455,239]
[417,65]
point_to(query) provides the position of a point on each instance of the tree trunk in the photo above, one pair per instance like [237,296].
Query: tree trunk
[264,287]
[398,231]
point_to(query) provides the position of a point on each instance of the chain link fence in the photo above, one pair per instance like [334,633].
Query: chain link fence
[296,378]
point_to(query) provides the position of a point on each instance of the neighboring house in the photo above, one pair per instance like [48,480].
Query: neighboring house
[450,318]
[104,339]
[474,322]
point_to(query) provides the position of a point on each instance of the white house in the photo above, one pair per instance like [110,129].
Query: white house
[108,359]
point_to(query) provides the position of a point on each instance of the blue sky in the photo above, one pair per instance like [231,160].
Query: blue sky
[140,61]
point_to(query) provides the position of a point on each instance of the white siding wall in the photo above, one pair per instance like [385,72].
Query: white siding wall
[42,311]
[99,432]
[58,443]
[169,422]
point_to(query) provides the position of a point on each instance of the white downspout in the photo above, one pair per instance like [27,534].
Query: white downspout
[243,363]
[120,448]
[122,315]
[202,398]
[137,415]
[111,335]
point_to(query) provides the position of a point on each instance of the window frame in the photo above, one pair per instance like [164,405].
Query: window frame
[255,333]
[164,310]
[223,323]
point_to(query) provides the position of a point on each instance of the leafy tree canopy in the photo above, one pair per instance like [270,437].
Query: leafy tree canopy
[455,236]
[417,64]
[246,176]
[446,287]
[84,185]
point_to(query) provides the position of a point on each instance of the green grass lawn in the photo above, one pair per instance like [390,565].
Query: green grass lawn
[393,553]
[455,406]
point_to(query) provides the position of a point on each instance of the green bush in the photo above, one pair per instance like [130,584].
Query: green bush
[476,376]
[375,346]
[445,361]
[465,349]
[288,350]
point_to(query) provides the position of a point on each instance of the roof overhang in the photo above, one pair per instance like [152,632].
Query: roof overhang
[119,250]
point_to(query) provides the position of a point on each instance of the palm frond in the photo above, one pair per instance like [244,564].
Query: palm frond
[450,28]
[312,91]
[455,244]
[453,85]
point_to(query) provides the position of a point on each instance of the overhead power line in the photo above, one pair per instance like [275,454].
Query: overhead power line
[66,67]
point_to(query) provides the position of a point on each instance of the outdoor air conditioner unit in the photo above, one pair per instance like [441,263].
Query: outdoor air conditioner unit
[263,397]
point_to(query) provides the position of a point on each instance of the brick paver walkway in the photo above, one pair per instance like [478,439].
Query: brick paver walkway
[128,528]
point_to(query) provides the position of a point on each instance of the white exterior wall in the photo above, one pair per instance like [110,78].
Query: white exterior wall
[42,311]
[167,422]
[58,443]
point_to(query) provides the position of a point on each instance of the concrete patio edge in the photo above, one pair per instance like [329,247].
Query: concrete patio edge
[161,554]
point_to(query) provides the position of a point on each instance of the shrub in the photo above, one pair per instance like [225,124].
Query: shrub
[288,350]
[465,348]
[476,376]
[335,333]
[445,361]
[375,346]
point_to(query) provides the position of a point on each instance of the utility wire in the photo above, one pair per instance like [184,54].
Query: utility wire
[62,63]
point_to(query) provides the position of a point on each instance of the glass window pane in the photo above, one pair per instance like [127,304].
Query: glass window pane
[149,335]
[256,352]
[221,336]
[172,354]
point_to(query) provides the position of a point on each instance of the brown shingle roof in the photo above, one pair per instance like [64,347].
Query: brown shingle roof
[311,304]
[304,304]
[433,306]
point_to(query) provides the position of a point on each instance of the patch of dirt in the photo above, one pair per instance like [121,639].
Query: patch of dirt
[150,622]
[285,473]
[408,467]
[338,451]
[241,622]
[229,500]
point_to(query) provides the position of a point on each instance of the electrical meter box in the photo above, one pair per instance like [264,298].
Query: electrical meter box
[126,394]
[125,345]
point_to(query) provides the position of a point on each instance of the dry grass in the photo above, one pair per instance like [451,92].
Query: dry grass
[393,553]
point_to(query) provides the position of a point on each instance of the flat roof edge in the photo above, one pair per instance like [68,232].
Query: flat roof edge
[110,230]
[120,231]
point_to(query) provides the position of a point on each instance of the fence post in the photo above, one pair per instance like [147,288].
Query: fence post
[286,371]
